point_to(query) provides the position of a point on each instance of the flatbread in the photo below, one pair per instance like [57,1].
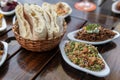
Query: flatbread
[24,26]
[58,23]
[46,6]
[37,21]
[49,20]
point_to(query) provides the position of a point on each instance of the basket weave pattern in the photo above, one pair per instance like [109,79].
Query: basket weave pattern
[35,45]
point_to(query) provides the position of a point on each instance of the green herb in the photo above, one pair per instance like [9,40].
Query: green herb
[92,28]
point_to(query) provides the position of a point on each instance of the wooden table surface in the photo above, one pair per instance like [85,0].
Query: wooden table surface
[25,65]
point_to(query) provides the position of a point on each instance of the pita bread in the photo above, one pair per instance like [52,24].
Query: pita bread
[46,6]
[57,29]
[37,21]
[58,23]
[24,27]
[48,18]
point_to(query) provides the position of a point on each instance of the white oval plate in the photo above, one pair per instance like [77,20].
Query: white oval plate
[9,12]
[101,73]
[4,56]
[72,35]
[70,11]
[114,7]
[4,25]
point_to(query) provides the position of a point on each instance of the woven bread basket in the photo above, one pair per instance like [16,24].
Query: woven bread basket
[36,45]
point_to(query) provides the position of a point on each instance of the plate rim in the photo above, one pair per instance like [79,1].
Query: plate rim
[9,12]
[114,9]
[14,19]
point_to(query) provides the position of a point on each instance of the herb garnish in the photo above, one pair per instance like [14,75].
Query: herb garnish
[92,28]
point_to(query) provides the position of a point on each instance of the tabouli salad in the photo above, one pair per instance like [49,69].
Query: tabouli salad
[84,55]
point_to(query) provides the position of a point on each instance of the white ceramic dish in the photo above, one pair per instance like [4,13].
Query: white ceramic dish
[9,12]
[4,25]
[72,35]
[70,11]
[101,73]
[4,56]
[114,7]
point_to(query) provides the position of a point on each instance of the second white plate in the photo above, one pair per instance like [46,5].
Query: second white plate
[72,35]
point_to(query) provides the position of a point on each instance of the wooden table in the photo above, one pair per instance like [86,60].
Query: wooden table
[25,65]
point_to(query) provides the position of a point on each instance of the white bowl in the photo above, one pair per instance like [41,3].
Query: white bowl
[72,35]
[4,56]
[8,12]
[101,73]
[4,25]
[114,7]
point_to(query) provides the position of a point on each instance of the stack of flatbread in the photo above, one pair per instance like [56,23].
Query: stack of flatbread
[39,23]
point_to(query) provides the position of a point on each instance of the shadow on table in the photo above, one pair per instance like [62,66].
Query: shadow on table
[32,62]
[68,19]
[106,47]
[4,68]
